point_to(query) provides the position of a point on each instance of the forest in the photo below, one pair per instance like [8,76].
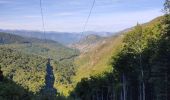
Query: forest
[140,68]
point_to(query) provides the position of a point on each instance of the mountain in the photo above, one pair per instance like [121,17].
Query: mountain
[19,60]
[7,38]
[47,48]
[65,38]
[139,62]
[94,58]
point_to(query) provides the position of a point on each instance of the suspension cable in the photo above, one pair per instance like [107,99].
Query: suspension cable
[43,23]
[42,19]
[87,20]
[85,24]
[83,31]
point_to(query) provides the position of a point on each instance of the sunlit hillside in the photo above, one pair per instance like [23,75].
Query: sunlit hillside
[97,59]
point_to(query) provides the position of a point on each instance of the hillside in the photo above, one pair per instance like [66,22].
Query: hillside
[90,39]
[8,38]
[96,60]
[44,48]
[23,69]
[17,48]
[142,61]
[25,75]
[101,55]
[87,42]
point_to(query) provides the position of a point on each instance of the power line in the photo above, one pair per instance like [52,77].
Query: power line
[86,22]
[84,28]
[43,21]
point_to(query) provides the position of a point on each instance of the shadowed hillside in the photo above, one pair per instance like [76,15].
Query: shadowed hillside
[9,90]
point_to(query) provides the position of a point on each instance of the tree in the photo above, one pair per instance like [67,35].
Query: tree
[167,6]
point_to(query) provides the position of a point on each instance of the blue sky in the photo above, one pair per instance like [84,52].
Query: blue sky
[70,15]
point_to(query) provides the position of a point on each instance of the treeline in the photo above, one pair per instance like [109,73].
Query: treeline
[140,68]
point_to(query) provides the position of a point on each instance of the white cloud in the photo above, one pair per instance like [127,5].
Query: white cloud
[113,21]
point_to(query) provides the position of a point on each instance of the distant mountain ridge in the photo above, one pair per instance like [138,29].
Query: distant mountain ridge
[7,38]
[61,37]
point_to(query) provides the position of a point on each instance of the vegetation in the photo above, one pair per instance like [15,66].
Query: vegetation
[26,70]
[7,38]
[96,60]
[11,91]
[64,71]
[25,62]
[140,68]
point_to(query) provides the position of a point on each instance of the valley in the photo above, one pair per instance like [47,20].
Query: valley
[93,68]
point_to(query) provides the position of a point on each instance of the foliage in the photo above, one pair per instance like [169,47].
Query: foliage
[23,68]
[167,6]
[12,91]
[140,68]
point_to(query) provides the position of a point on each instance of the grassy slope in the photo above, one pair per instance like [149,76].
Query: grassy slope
[96,61]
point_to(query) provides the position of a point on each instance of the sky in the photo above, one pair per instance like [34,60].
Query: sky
[70,15]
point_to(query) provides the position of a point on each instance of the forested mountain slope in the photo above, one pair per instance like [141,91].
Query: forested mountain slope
[18,54]
[132,65]
[26,70]
[140,67]
[41,47]
[96,51]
